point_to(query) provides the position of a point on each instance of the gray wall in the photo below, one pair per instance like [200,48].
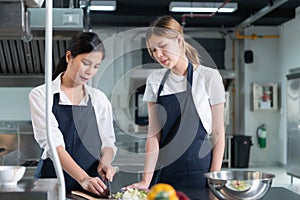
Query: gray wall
[265,68]
[272,60]
[14,104]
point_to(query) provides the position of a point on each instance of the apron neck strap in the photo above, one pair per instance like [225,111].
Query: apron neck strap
[161,86]
[189,78]
[56,99]
[190,75]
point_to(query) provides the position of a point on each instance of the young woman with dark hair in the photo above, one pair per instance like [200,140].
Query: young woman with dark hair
[81,119]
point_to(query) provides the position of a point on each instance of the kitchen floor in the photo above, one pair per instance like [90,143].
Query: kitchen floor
[281,178]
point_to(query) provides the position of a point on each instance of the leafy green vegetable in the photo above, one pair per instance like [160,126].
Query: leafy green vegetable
[131,194]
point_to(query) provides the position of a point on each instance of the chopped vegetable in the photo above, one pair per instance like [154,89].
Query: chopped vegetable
[131,194]
[239,185]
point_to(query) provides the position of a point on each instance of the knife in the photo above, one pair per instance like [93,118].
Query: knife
[107,183]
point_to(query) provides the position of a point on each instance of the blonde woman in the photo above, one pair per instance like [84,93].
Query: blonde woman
[186,109]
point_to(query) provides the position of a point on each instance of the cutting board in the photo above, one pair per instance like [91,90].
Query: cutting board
[77,195]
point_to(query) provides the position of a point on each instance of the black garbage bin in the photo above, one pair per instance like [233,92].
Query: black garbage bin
[240,151]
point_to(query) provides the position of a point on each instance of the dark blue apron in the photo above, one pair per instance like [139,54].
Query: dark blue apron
[185,150]
[79,127]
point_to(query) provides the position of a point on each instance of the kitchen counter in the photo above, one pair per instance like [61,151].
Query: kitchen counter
[47,189]
[31,189]
[275,193]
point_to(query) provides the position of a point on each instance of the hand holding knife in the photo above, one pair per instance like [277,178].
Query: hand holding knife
[107,183]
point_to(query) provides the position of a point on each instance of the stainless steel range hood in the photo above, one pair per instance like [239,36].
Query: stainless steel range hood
[22,49]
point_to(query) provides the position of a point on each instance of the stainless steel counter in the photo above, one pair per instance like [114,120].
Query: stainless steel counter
[275,193]
[38,189]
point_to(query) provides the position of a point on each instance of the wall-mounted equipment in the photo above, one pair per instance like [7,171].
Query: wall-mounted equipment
[14,19]
[63,18]
[248,56]
[141,109]
[265,96]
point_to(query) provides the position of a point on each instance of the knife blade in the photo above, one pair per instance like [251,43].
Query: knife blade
[107,183]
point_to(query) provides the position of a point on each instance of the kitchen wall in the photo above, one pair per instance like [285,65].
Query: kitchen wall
[14,104]
[265,68]
[272,60]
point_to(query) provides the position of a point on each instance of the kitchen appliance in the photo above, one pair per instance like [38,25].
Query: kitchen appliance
[293,123]
[22,40]
[239,185]
[141,109]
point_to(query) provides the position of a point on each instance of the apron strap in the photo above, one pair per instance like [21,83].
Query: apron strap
[89,103]
[161,86]
[190,76]
[189,79]
[56,98]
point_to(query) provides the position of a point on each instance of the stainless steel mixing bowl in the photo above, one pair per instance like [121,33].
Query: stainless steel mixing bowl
[239,185]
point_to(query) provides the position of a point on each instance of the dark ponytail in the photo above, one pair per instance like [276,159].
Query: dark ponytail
[83,42]
[61,67]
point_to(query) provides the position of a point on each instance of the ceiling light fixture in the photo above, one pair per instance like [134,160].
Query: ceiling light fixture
[204,7]
[103,5]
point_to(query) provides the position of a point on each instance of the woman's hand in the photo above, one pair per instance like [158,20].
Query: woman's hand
[94,185]
[143,185]
[106,171]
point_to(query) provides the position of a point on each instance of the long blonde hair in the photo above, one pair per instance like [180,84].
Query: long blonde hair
[167,26]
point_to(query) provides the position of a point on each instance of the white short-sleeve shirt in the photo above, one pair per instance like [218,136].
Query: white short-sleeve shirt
[207,89]
[103,111]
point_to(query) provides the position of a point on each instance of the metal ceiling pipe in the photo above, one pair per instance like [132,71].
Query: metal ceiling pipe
[275,4]
[192,15]
[49,99]
[254,36]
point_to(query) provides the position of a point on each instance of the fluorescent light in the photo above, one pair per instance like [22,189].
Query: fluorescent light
[97,5]
[205,7]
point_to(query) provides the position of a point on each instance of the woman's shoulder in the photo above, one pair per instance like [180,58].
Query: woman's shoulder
[41,89]
[207,72]
[96,94]
[95,91]
[157,74]
[38,90]
[204,68]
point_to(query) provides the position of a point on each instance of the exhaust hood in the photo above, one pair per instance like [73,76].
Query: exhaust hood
[63,18]
[19,20]
[22,40]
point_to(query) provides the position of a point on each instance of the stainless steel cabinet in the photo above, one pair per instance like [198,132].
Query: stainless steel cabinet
[293,124]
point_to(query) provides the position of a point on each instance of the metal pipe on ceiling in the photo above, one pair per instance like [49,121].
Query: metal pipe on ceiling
[272,5]
[49,99]
[254,36]
[192,15]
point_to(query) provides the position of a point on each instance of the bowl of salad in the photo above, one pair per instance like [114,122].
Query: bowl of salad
[239,185]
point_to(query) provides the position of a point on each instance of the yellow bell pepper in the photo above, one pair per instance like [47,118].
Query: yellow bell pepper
[162,191]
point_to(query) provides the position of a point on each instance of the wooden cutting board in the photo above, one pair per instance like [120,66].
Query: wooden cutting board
[77,195]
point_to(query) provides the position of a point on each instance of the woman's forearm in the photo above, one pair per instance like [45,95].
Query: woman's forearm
[218,135]
[70,166]
[152,150]
[107,155]
[218,152]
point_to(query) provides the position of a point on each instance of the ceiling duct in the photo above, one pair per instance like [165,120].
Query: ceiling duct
[64,19]
[22,55]
[270,7]
[13,18]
